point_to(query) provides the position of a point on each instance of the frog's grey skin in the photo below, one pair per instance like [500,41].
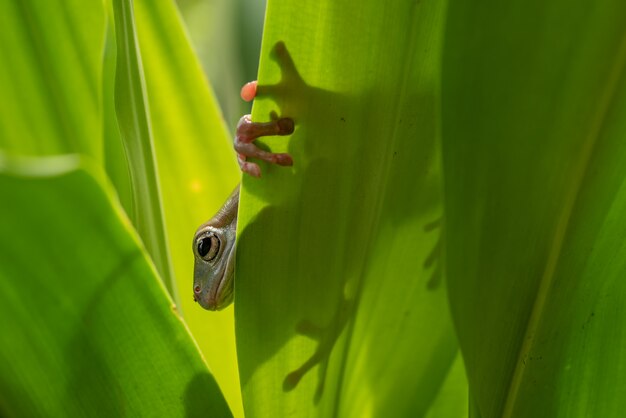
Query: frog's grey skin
[214,250]
[214,241]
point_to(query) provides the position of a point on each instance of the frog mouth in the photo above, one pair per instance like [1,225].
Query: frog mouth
[225,286]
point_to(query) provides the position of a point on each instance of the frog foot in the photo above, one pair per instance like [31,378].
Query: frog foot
[248,132]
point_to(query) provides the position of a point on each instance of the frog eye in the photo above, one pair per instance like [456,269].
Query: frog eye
[209,247]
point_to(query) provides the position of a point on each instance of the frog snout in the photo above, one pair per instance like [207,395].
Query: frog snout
[204,297]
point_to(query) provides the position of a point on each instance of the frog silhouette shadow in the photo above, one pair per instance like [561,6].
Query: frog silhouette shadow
[305,284]
[305,296]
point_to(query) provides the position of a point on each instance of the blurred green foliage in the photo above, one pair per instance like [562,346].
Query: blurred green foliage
[226,35]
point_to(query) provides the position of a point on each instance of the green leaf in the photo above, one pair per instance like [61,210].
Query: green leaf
[340,304]
[49,78]
[88,328]
[132,115]
[534,99]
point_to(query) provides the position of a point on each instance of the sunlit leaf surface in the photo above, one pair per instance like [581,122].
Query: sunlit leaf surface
[340,301]
[87,326]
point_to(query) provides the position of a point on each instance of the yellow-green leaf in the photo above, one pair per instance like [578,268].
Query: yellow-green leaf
[340,303]
[534,151]
[88,328]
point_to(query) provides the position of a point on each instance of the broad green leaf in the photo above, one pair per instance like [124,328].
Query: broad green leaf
[88,329]
[197,170]
[533,126]
[340,303]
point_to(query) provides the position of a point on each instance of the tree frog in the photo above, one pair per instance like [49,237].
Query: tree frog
[214,241]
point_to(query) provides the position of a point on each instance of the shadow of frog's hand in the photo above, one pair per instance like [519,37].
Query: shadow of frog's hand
[290,79]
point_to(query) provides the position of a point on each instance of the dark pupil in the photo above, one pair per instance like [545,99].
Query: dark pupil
[204,246]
